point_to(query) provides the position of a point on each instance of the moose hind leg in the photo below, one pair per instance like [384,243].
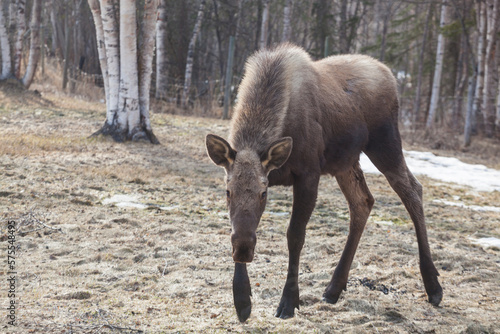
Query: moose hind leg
[360,200]
[410,191]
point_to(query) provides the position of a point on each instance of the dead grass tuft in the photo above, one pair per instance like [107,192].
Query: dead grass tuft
[32,144]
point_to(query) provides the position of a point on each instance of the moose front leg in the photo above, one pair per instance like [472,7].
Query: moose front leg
[305,191]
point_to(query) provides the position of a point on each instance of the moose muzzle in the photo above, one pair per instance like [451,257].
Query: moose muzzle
[243,246]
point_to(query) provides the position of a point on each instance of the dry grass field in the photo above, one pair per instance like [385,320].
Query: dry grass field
[158,260]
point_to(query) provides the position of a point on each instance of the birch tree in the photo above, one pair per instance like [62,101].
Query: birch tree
[34,55]
[436,84]
[126,67]
[489,90]
[95,8]
[145,58]
[17,28]
[11,50]
[161,51]
[190,55]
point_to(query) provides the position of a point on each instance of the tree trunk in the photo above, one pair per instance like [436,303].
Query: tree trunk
[264,25]
[219,39]
[481,54]
[161,51]
[101,48]
[111,44]
[417,119]
[145,59]
[497,121]
[6,71]
[20,28]
[436,84]
[77,45]
[34,44]
[67,33]
[190,55]
[128,105]
[287,13]
[128,70]
[460,81]
[469,118]
[238,20]
[383,38]
[343,27]
[489,92]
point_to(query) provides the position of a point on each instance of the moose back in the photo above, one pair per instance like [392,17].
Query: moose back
[295,120]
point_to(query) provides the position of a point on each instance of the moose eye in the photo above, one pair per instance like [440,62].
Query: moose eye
[228,193]
[263,195]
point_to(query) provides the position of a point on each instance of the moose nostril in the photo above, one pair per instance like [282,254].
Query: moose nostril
[244,240]
[243,246]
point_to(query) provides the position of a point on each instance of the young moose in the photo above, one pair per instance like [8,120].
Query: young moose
[295,120]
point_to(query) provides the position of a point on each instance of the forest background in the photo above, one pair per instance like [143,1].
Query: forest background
[443,53]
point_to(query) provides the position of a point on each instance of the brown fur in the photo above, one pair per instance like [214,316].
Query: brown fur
[331,110]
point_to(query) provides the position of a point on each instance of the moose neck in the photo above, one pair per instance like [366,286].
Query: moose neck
[271,79]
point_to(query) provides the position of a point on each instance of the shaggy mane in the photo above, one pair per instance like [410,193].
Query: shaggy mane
[271,77]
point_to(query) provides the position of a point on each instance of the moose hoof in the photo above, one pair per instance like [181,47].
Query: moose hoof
[289,302]
[331,299]
[285,312]
[436,297]
[243,312]
[332,295]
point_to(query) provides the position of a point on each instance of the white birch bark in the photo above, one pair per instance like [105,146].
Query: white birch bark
[489,90]
[264,25]
[34,44]
[287,29]
[190,56]
[161,51]
[436,84]
[20,28]
[95,8]
[145,58]
[4,48]
[481,53]
[128,108]
[111,42]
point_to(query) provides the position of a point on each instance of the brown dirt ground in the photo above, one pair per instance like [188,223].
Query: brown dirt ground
[87,267]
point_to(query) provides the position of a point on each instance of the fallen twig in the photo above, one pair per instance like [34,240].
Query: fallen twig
[30,218]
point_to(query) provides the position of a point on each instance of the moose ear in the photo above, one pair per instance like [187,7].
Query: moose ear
[277,154]
[220,151]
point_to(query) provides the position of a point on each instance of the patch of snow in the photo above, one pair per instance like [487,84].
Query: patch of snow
[279,214]
[383,222]
[446,169]
[169,208]
[486,242]
[125,201]
[472,207]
